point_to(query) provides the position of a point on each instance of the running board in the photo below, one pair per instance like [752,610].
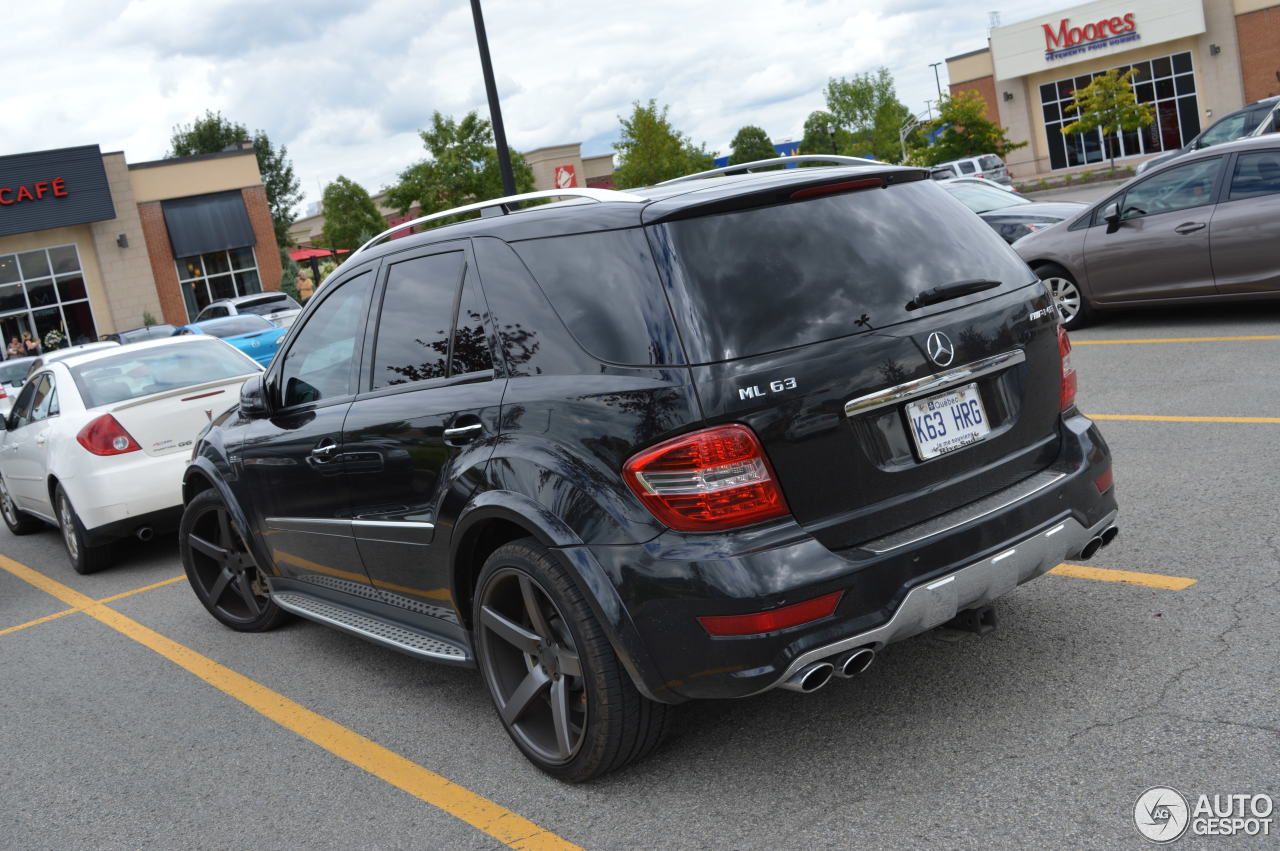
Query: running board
[405,639]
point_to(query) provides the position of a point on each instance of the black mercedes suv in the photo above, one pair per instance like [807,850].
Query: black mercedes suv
[727,434]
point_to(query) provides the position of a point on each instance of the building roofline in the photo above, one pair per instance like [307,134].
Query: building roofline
[193,158]
[986,49]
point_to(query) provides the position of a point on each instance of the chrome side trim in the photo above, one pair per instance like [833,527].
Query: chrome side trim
[311,525]
[933,383]
[931,605]
[394,531]
[392,524]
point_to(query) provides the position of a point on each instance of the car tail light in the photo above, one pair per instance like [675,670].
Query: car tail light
[1103,483]
[1067,396]
[707,481]
[105,436]
[832,188]
[773,620]
[3,395]
[979,174]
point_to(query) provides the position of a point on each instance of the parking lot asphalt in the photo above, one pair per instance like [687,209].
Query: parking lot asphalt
[141,722]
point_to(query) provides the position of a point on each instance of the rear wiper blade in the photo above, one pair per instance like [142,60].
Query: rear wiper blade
[955,289]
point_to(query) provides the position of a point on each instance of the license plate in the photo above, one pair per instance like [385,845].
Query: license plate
[948,421]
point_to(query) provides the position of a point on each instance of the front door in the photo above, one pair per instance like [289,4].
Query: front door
[417,439]
[1160,247]
[26,445]
[1245,233]
[292,461]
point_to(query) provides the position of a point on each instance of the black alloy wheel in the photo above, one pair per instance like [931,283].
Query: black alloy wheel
[556,683]
[221,570]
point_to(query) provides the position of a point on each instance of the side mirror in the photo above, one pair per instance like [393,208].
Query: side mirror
[1111,214]
[253,399]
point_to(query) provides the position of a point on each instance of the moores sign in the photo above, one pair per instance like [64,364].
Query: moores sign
[50,189]
[1066,40]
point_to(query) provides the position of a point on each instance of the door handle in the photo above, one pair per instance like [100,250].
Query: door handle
[325,451]
[463,434]
[40,441]
[1189,227]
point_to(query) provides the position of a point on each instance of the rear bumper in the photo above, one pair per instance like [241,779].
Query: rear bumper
[893,588]
[125,492]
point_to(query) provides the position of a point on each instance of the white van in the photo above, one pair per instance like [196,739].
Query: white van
[987,165]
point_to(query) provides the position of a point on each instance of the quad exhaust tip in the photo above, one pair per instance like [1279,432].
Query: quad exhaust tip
[1108,535]
[854,663]
[810,678]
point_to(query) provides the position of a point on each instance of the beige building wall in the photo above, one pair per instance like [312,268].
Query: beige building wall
[200,175]
[129,287]
[970,66]
[543,162]
[81,236]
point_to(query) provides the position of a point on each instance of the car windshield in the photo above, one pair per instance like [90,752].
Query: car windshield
[13,371]
[136,373]
[267,304]
[983,199]
[234,326]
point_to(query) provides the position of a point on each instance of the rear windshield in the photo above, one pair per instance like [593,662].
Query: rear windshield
[267,304]
[14,371]
[772,278]
[990,161]
[133,373]
[983,199]
[234,326]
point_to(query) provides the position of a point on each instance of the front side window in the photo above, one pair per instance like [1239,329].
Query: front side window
[1256,173]
[1231,127]
[1180,188]
[206,278]
[320,362]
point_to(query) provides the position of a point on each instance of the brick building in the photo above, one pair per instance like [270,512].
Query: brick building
[1196,59]
[89,243]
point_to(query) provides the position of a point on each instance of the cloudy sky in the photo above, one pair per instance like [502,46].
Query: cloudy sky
[345,85]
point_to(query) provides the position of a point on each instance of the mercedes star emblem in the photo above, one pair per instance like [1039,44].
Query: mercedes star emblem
[939,349]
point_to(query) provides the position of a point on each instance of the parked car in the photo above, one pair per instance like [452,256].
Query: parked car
[266,305]
[700,440]
[1255,119]
[988,166]
[981,181]
[1010,215]
[253,335]
[12,374]
[137,335]
[53,355]
[96,443]
[1198,229]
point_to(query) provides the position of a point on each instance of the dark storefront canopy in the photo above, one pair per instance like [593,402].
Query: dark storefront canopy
[206,223]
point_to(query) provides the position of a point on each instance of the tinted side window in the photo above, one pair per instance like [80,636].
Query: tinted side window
[1180,188]
[45,404]
[21,413]
[1256,173]
[413,327]
[967,167]
[470,340]
[319,363]
[606,289]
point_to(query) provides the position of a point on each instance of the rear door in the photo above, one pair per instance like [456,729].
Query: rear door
[1244,235]
[426,416]
[802,319]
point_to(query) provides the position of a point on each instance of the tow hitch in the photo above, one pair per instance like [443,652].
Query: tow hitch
[980,621]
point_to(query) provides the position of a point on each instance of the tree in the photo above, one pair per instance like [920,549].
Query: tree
[867,107]
[1109,104]
[213,132]
[823,135]
[962,130]
[350,217]
[462,169]
[652,151]
[751,144]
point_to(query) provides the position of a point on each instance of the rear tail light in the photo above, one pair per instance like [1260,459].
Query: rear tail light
[707,481]
[3,395]
[773,620]
[1067,396]
[105,436]
[1103,483]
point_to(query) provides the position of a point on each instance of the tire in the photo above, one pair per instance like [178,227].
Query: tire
[221,569]
[85,558]
[538,643]
[1073,308]
[18,521]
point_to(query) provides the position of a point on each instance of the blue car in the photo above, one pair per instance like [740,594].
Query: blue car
[253,335]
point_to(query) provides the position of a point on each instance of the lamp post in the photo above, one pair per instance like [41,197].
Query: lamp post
[495,110]
[936,80]
[831,133]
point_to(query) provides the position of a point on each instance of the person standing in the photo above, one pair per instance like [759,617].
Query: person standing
[30,347]
[15,348]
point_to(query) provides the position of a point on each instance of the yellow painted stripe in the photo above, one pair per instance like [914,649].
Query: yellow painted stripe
[1131,577]
[1075,342]
[1147,418]
[498,822]
[38,621]
[143,588]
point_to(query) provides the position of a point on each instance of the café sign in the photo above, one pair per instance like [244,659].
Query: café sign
[50,189]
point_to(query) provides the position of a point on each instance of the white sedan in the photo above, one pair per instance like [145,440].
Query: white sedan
[96,444]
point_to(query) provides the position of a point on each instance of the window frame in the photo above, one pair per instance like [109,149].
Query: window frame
[1215,190]
[1230,171]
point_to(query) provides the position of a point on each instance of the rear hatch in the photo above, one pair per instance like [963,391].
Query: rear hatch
[802,317]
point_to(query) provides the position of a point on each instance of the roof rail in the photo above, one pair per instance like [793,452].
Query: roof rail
[745,168]
[501,204]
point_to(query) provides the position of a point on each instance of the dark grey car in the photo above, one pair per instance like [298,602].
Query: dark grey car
[1205,227]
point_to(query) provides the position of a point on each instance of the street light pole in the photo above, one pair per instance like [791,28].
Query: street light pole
[936,80]
[495,110]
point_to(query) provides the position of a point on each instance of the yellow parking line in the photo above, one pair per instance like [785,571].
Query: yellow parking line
[143,588]
[1075,343]
[479,812]
[38,621]
[1147,418]
[1131,577]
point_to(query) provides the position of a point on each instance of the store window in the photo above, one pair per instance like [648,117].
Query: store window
[1167,83]
[42,293]
[206,278]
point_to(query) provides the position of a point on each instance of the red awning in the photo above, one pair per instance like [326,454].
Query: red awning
[300,254]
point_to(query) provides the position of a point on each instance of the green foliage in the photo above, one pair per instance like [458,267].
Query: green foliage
[213,132]
[462,169]
[350,216]
[1109,104]
[866,106]
[289,276]
[652,151]
[148,319]
[966,132]
[751,144]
